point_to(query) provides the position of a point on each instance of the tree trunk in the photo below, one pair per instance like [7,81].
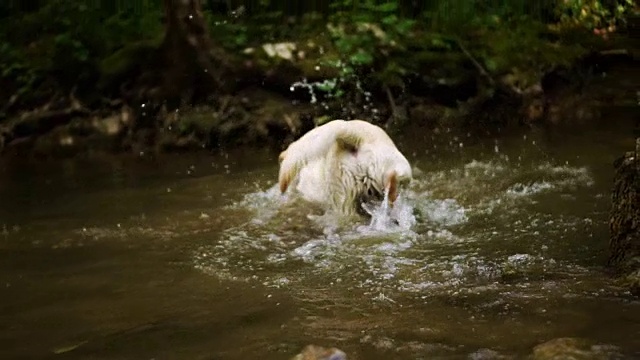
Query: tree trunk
[193,67]
[187,68]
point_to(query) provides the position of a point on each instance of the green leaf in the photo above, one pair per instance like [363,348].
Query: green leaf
[346,71]
[344,45]
[361,58]
[327,85]
[241,39]
[390,19]
[490,64]
[439,43]
[364,17]
[82,55]
[387,7]
[405,25]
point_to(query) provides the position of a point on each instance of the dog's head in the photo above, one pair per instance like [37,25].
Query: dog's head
[363,157]
[371,157]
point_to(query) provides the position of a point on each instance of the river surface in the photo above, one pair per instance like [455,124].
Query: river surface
[498,245]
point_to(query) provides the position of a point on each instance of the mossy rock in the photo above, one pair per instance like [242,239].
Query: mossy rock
[319,69]
[574,349]
[308,59]
[624,244]
[200,121]
[427,59]
[126,63]
[632,282]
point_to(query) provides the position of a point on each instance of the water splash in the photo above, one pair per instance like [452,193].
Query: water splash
[348,81]
[325,85]
[438,238]
[305,85]
[380,219]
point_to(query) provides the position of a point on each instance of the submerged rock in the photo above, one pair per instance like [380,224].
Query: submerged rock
[574,349]
[488,354]
[314,352]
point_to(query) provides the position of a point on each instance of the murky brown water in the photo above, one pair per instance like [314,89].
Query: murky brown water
[500,245]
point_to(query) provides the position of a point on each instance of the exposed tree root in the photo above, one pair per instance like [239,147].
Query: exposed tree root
[43,119]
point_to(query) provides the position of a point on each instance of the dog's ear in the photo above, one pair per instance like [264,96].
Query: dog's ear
[284,181]
[285,176]
[311,146]
[346,146]
[289,168]
[348,141]
[391,185]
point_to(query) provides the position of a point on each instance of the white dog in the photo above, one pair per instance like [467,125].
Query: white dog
[343,163]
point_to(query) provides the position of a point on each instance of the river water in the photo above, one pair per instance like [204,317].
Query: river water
[499,245]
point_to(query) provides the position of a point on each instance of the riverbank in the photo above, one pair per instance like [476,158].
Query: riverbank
[258,116]
[371,64]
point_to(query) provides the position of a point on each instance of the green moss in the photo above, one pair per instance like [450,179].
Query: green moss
[199,122]
[319,68]
[431,59]
[523,49]
[125,62]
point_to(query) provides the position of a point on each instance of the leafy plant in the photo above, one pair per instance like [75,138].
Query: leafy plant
[369,39]
[15,67]
[230,33]
[368,36]
[594,14]
[64,40]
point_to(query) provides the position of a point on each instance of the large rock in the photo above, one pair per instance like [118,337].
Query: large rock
[574,349]
[314,352]
[624,223]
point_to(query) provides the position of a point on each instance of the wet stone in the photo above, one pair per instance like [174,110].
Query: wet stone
[315,352]
[488,354]
[574,349]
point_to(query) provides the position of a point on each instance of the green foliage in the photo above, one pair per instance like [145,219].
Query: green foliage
[457,16]
[370,42]
[65,40]
[374,43]
[594,14]
[15,67]
[230,33]
[123,28]
[518,46]
[240,28]
[370,35]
